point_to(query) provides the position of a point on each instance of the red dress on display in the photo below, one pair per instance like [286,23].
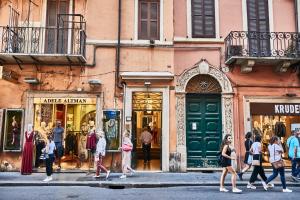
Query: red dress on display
[27,155]
[91,141]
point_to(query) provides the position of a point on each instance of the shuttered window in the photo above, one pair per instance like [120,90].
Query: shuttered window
[203,19]
[149,19]
[258,27]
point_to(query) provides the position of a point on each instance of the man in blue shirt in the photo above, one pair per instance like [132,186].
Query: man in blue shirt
[294,154]
[58,138]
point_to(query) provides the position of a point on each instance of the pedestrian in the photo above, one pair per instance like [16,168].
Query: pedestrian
[276,151]
[256,151]
[126,154]
[248,157]
[293,144]
[226,150]
[58,137]
[49,154]
[27,155]
[100,154]
[146,139]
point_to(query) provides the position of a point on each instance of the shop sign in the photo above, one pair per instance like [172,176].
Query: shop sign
[65,100]
[287,109]
[8,75]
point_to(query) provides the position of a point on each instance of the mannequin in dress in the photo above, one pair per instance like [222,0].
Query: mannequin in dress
[27,155]
[43,131]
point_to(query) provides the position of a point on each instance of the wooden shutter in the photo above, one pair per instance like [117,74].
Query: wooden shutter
[149,19]
[203,19]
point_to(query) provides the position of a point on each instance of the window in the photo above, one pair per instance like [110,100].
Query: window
[203,19]
[258,27]
[149,20]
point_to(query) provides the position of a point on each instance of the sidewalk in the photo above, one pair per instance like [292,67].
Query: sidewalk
[138,180]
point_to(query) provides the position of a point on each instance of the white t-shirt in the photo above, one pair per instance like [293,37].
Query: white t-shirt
[256,147]
[274,154]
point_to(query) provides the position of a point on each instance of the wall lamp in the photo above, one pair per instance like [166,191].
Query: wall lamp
[31,80]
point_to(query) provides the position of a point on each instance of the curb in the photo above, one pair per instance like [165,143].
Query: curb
[123,185]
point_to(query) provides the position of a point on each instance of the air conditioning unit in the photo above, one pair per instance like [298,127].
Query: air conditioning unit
[31,80]
[235,50]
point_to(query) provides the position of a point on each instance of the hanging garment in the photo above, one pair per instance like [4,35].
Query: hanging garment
[27,155]
[71,143]
[40,144]
[91,141]
[280,129]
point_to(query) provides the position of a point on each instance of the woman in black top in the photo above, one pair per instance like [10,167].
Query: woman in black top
[248,156]
[226,164]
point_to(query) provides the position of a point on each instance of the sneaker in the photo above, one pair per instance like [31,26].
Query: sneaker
[236,190]
[50,178]
[96,176]
[287,190]
[46,179]
[132,172]
[107,174]
[251,186]
[123,176]
[222,189]
[240,176]
[264,185]
[270,185]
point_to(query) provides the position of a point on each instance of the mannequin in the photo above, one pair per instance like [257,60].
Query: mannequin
[91,141]
[27,155]
[15,130]
[256,130]
[43,131]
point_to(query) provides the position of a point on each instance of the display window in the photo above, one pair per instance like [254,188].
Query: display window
[76,119]
[269,119]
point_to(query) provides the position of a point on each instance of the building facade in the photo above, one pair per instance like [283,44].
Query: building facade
[190,71]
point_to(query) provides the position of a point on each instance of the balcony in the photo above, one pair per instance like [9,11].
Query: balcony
[279,49]
[44,46]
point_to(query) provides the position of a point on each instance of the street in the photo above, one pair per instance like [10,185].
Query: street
[89,193]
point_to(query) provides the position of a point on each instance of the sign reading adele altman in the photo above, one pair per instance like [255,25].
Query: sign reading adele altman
[275,108]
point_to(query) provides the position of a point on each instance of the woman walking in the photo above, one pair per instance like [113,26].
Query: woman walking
[276,152]
[27,155]
[248,156]
[49,152]
[257,163]
[126,149]
[226,164]
[100,153]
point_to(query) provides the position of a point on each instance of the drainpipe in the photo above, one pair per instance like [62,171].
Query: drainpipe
[296,15]
[118,49]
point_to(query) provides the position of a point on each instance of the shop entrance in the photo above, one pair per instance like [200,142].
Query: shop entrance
[147,113]
[77,120]
[203,129]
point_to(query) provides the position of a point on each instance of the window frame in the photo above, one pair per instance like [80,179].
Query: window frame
[158,21]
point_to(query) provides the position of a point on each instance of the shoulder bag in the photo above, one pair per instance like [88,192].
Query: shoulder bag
[277,164]
[250,156]
[126,147]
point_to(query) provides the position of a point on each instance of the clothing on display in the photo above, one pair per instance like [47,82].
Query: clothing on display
[91,141]
[27,155]
[71,144]
[280,129]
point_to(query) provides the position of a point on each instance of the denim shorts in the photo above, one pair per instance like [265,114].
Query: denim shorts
[59,149]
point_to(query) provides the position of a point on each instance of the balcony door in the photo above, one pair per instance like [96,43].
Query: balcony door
[57,28]
[258,28]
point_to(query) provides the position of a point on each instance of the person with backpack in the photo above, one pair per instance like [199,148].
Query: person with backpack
[276,151]
[248,156]
[291,153]
[226,150]
[294,154]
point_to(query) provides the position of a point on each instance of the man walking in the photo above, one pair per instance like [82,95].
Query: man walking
[58,137]
[294,154]
[146,139]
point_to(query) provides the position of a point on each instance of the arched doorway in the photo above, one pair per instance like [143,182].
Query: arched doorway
[204,113]
[203,121]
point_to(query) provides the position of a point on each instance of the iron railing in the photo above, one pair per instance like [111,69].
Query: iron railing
[262,44]
[41,40]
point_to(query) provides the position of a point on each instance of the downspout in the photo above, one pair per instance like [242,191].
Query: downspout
[118,49]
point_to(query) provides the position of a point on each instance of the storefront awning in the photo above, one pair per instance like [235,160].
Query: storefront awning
[147,76]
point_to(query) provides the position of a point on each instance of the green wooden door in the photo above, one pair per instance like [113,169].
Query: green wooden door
[203,129]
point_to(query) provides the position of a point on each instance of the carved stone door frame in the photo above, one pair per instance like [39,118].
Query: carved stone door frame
[202,67]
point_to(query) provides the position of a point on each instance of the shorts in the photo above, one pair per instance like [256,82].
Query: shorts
[59,149]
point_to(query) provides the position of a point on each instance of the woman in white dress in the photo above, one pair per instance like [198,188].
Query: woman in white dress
[126,154]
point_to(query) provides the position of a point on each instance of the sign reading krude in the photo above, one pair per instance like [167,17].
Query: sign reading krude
[64,100]
[275,108]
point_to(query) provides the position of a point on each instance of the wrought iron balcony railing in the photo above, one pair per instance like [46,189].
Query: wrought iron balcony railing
[281,45]
[41,40]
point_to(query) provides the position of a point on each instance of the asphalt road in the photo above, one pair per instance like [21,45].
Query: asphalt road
[90,193]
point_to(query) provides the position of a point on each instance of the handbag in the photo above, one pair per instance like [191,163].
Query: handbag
[277,164]
[126,147]
[255,161]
